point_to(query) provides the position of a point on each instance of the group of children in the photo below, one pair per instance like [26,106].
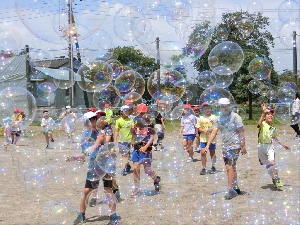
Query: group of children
[231,127]
[127,132]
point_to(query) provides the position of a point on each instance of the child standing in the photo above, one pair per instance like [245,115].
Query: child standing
[204,127]
[160,131]
[188,131]
[233,142]
[266,135]
[15,126]
[197,115]
[47,126]
[143,150]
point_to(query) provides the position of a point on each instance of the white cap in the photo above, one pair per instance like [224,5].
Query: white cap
[223,101]
[68,107]
[125,108]
[88,115]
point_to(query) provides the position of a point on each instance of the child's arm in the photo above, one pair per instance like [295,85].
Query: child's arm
[144,148]
[99,140]
[242,139]
[282,144]
[262,117]
[212,136]
[75,157]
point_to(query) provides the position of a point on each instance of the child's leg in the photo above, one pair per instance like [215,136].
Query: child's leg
[203,158]
[136,175]
[47,138]
[185,144]
[230,175]
[111,199]
[85,193]
[190,148]
[17,138]
[125,160]
[213,157]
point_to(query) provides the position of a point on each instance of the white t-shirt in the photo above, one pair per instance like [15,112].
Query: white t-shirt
[229,126]
[49,124]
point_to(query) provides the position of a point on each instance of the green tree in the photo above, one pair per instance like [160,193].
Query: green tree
[258,43]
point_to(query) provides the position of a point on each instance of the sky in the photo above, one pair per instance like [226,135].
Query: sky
[36,23]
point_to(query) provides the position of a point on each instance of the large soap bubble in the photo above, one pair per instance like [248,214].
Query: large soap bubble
[46,91]
[288,9]
[204,79]
[245,26]
[227,54]
[286,94]
[213,94]
[110,94]
[165,82]
[22,99]
[255,8]
[260,68]
[125,81]
[221,34]
[287,29]
[64,80]
[6,111]
[254,86]
[284,115]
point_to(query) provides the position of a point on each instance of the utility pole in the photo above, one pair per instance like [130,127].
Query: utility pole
[158,64]
[71,74]
[295,56]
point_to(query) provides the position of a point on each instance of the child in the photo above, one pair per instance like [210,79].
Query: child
[204,125]
[15,126]
[47,126]
[188,131]
[159,128]
[197,115]
[266,135]
[6,132]
[123,135]
[142,150]
[233,142]
[94,171]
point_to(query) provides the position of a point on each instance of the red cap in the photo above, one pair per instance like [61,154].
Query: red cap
[204,104]
[196,108]
[128,102]
[45,111]
[186,106]
[100,113]
[92,109]
[142,108]
[106,105]
[16,110]
[270,109]
[21,111]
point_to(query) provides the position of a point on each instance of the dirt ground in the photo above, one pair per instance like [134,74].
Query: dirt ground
[185,198]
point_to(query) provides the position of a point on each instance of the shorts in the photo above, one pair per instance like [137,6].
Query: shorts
[212,146]
[231,156]
[17,133]
[189,137]
[48,132]
[266,153]
[126,144]
[95,184]
[139,156]
[160,137]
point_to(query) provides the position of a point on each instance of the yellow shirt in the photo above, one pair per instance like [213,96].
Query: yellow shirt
[124,126]
[109,114]
[266,133]
[206,122]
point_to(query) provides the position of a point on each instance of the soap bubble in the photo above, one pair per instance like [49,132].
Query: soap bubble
[221,34]
[283,114]
[6,111]
[100,73]
[289,85]
[245,26]
[255,8]
[39,58]
[187,95]
[213,94]
[168,79]
[260,68]
[63,81]
[254,86]
[286,94]
[264,90]
[204,79]
[227,54]
[286,31]
[46,91]
[125,81]
[222,76]
[288,9]
[119,70]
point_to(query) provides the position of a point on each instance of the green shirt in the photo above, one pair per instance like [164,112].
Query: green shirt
[124,126]
[108,113]
[266,133]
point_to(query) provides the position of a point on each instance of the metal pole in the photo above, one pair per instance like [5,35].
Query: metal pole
[295,56]
[71,75]
[158,64]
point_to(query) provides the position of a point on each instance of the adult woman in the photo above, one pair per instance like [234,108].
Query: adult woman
[295,115]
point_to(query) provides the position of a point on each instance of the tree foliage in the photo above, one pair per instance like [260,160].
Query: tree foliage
[258,43]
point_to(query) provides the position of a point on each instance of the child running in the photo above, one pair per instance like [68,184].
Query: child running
[142,153]
[266,135]
[233,137]
[188,131]
[160,131]
[47,126]
[123,135]
[204,126]
[197,115]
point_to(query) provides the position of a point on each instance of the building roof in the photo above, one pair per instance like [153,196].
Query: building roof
[15,70]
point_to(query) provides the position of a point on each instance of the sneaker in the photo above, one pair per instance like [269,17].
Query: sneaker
[124,173]
[93,202]
[277,183]
[198,150]
[237,190]
[296,137]
[230,194]
[116,192]
[51,139]
[213,170]
[203,172]
[113,219]
[157,186]
[154,147]
[80,219]
[128,168]
[189,160]
[47,147]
